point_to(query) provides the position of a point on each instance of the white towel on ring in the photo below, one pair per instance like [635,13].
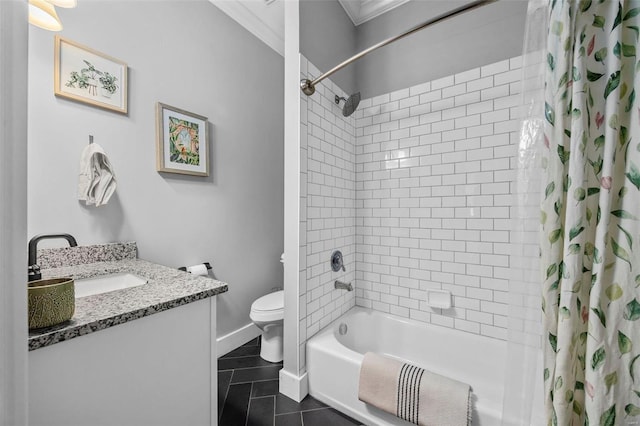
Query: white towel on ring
[97,180]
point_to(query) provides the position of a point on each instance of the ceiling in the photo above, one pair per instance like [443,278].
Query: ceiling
[265,18]
[361,11]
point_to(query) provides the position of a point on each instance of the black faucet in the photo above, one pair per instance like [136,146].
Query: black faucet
[33,269]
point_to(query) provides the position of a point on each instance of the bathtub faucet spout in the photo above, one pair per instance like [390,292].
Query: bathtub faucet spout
[343,286]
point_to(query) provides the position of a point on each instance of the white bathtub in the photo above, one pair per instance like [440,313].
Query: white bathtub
[333,362]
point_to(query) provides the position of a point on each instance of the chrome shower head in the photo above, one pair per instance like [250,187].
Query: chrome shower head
[350,104]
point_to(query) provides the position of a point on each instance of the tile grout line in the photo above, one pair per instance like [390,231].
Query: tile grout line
[247,368]
[263,396]
[253,381]
[274,398]
[305,411]
[236,357]
[224,402]
[246,419]
[274,411]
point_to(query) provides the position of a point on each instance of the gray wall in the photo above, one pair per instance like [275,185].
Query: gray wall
[476,38]
[192,56]
[328,37]
[13,208]
[480,37]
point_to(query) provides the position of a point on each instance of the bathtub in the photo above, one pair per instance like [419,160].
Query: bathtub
[333,362]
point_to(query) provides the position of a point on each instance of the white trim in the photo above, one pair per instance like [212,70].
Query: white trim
[213,362]
[352,10]
[236,338]
[292,362]
[269,33]
[360,11]
[14,36]
[295,387]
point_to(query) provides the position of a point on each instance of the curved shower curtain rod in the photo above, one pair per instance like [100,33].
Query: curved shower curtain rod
[308,87]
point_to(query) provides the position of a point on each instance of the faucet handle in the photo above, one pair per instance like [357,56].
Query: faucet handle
[34,272]
[336,261]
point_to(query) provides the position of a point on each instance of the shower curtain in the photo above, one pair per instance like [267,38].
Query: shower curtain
[522,399]
[590,240]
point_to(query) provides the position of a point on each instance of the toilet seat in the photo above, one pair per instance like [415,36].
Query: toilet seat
[268,308]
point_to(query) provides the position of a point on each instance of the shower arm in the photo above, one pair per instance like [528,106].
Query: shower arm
[308,87]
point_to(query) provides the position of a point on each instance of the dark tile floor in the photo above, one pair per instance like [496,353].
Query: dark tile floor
[248,395]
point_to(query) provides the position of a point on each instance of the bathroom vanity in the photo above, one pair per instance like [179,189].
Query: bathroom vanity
[141,355]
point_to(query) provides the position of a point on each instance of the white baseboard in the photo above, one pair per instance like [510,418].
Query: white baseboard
[236,338]
[295,387]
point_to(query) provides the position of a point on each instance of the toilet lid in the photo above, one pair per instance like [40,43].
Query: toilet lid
[270,302]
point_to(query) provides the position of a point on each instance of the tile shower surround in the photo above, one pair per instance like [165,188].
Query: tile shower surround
[327,206]
[421,180]
[434,169]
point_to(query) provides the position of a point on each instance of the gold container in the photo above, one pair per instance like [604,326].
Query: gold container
[51,302]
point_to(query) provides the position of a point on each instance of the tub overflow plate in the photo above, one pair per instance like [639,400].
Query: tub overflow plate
[342,329]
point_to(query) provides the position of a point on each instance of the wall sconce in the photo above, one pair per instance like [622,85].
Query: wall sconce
[42,13]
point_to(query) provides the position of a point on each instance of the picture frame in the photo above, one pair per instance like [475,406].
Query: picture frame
[85,75]
[182,141]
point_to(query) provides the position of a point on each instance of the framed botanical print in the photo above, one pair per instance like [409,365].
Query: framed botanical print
[182,138]
[88,76]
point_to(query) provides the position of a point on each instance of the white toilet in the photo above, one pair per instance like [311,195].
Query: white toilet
[267,313]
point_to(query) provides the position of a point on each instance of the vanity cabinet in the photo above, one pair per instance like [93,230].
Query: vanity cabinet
[157,370]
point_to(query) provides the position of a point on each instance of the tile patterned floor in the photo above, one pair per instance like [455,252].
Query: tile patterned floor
[248,395]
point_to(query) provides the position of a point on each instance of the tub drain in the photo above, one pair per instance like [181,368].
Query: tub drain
[342,329]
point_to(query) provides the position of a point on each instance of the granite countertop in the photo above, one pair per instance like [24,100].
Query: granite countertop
[166,288]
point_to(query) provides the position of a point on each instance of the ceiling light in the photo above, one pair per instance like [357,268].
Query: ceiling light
[64,3]
[43,15]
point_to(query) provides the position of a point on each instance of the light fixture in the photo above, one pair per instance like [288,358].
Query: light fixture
[68,4]
[43,15]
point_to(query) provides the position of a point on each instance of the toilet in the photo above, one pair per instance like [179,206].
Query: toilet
[267,313]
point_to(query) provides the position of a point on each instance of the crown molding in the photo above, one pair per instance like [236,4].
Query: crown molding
[360,11]
[250,15]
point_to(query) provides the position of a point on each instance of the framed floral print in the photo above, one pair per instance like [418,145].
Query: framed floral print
[88,76]
[181,141]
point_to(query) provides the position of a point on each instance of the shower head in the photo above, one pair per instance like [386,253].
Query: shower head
[350,104]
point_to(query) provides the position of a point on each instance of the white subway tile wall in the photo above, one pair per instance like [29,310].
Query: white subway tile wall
[415,189]
[327,206]
[435,165]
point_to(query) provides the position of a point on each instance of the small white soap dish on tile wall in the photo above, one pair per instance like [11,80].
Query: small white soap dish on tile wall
[440,299]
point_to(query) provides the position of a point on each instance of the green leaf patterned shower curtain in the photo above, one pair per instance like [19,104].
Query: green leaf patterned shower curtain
[590,243]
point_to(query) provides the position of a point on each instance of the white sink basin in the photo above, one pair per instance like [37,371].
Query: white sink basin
[107,283]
